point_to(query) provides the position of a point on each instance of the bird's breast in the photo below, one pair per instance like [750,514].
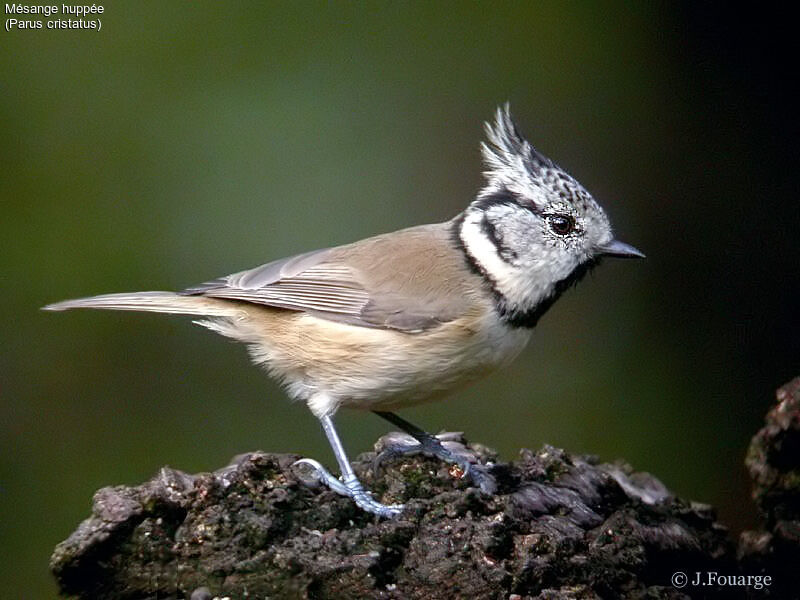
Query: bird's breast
[370,368]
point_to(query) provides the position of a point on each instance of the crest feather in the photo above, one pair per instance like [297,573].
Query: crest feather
[506,150]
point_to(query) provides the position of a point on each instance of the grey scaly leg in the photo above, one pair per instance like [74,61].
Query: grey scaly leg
[349,485]
[431,445]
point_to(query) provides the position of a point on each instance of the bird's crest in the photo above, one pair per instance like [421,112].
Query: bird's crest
[506,151]
[513,164]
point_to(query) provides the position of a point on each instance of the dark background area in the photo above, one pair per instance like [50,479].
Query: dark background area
[187,140]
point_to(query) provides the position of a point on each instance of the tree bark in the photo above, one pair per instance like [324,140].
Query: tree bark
[559,526]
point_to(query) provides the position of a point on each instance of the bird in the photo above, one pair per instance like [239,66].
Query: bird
[410,316]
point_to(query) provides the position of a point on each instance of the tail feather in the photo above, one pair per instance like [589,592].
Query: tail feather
[161,302]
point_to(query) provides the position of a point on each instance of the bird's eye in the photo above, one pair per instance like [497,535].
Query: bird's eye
[561,224]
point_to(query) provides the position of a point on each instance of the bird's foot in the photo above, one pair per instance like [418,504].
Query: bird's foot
[447,446]
[351,488]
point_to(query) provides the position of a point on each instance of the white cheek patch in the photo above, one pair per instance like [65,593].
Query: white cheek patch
[483,250]
[522,286]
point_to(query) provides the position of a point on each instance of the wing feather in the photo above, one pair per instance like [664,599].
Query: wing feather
[372,283]
[303,283]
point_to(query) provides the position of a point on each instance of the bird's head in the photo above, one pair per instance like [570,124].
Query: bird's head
[533,229]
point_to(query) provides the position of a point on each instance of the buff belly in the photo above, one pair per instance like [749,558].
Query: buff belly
[330,364]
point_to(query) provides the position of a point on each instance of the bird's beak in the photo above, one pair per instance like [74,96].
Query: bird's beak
[620,250]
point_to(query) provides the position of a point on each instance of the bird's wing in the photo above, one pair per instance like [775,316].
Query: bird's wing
[303,282]
[411,280]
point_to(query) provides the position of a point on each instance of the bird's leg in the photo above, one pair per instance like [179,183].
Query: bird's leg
[348,485]
[436,446]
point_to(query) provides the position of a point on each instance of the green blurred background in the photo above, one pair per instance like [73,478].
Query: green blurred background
[187,140]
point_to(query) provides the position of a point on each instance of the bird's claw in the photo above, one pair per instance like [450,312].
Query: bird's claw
[322,475]
[351,488]
[446,446]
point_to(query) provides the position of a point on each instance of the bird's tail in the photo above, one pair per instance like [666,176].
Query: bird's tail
[161,302]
